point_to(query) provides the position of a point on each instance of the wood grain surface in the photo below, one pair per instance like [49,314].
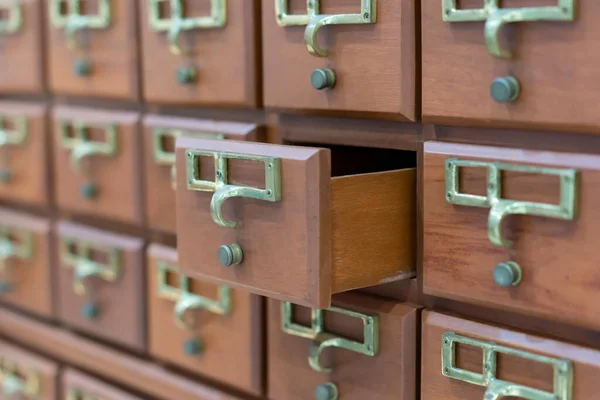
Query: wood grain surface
[88,386]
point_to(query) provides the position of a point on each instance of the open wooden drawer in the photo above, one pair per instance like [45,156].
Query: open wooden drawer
[294,223]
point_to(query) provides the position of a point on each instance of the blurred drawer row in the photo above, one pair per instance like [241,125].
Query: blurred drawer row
[358,56]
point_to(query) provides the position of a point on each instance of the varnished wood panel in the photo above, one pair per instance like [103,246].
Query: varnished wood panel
[391,374]
[434,386]
[557,257]
[85,385]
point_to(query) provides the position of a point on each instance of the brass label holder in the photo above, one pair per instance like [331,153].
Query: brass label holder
[79,394]
[314,20]
[322,339]
[497,388]
[74,20]
[14,22]
[16,380]
[15,244]
[496,17]
[221,187]
[167,158]
[178,23]
[11,137]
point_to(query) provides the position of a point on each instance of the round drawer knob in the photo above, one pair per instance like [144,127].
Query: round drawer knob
[327,391]
[322,78]
[506,89]
[507,274]
[186,75]
[193,347]
[230,254]
[90,310]
[83,68]
[89,191]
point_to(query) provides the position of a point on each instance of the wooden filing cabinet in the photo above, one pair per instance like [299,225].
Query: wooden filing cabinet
[201,52]
[202,327]
[76,385]
[292,232]
[100,284]
[26,375]
[159,159]
[329,55]
[97,163]
[93,48]
[361,348]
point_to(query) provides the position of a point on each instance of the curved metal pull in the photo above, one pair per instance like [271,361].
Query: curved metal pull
[322,340]
[82,151]
[84,270]
[186,302]
[497,17]
[75,21]
[221,187]
[15,136]
[17,380]
[497,388]
[500,208]
[14,22]
[314,20]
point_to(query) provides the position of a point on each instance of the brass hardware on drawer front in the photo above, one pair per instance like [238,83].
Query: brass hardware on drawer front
[314,20]
[15,244]
[77,255]
[74,20]
[178,23]
[497,388]
[185,301]
[14,22]
[83,147]
[322,340]
[18,380]
[11,137]
[496,17]
[167,158]
[78,394]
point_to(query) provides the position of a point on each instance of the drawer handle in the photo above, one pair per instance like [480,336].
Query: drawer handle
[322,339]
[497,388]
[15,244]
[18,380]
[78,394]
[496,17]
[83,147]
[77,255]
[164,157]
[11,137]
[178,23]
[314,20]
[74,21]
[14,22]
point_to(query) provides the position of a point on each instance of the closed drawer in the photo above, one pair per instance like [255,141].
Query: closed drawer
[26,265]
[78,386]
[159,140]
[465,360]
[202,327]
[193,49]
[24,153]
[512,229]
[100,284]
[26,375]
[98,164]
[22,55]
[290,231]
[535,72]
[93,48]
[363,60]
[363,348]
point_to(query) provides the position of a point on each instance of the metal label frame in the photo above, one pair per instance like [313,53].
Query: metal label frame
[12,384]
[16,136]
[15,19]
[75,21]
[79,394]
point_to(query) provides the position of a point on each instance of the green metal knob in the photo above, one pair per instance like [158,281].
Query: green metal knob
[322,78]
[186,75]
[5,176]
[89,191]
[90,310]
[230,254]
[507,274]
[5,287]
[193,347]
[83,68]
[506,89]
[327,391]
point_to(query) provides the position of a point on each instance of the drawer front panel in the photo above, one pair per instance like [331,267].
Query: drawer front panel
[159,160]
[22,53]
[24,154]
[523,241]
[205,328]
[190,57]
[477,65]
[26,262]
[376,358]
[97,163]
[336,73]
[513,363]
[100,284]
[93,48]
[78,386]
